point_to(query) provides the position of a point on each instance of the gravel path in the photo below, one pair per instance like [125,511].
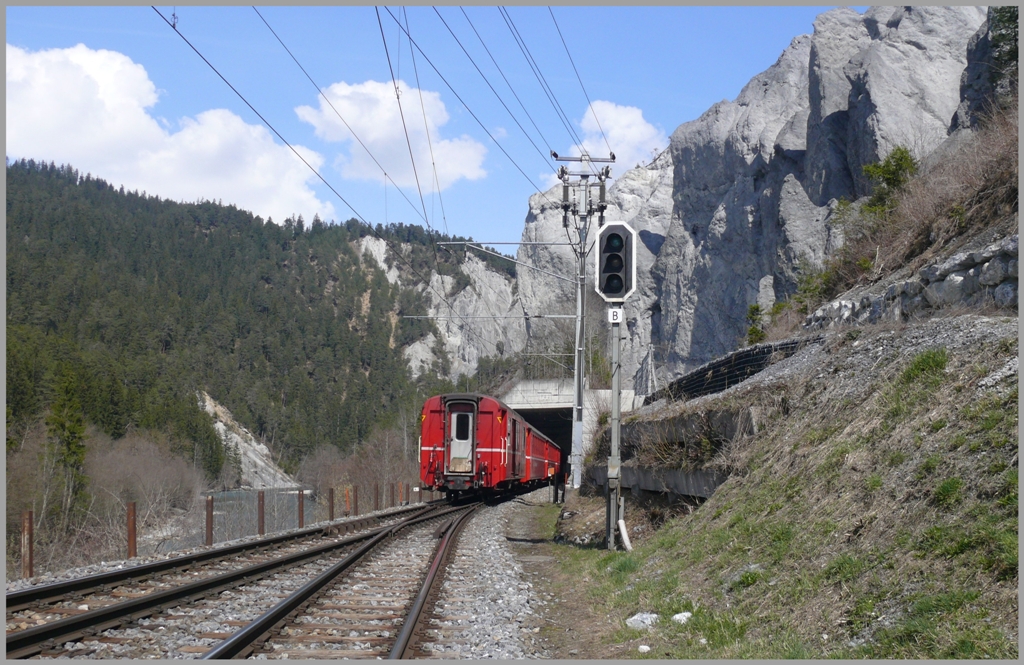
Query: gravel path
[487,609]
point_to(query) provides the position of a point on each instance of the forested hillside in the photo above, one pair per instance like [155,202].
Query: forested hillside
[120,306]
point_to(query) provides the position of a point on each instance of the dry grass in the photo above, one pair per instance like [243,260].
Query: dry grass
[876,519]
[966,191]
[972,189]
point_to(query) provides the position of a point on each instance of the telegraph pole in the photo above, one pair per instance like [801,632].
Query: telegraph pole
[581,208]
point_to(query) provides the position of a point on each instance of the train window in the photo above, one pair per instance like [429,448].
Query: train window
[462,426]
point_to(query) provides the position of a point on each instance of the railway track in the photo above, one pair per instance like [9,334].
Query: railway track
[310,595]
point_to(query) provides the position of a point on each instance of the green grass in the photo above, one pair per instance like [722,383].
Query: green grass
[915,384]
[943,625]
[873,483]
[948,492]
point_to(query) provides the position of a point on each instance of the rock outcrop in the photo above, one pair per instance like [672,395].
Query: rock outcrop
[466,327]
[975,277]
[745,193]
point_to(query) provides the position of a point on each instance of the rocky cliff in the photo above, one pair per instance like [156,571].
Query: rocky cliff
[745,192]
[471,319]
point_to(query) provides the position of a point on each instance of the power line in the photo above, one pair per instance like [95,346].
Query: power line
[426,129]
[401,113]
[473,115]
[482,43]
[535,68]
[398,254]
[514,119]
[337,113]
[590,103]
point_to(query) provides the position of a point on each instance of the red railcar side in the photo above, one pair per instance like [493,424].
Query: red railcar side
[471,441]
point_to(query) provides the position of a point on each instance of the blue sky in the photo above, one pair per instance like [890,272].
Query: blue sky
[115,92]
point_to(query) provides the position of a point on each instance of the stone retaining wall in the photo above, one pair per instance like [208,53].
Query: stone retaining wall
[966,278]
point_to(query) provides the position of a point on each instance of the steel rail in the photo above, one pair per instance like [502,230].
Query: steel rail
[414,621]
[28,642]
[242,643]
[17,600]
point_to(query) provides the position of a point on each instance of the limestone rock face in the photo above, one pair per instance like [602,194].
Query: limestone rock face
[642,197]
[467,333]
[747,191]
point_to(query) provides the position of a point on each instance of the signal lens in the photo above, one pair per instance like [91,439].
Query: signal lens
[613,285]
[613,263]
[614,243]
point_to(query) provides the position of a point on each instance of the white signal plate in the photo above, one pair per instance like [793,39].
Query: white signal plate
[615,315]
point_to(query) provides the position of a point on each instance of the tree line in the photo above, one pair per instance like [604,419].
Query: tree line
[121,306]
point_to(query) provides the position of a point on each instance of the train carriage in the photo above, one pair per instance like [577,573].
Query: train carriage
[470,441]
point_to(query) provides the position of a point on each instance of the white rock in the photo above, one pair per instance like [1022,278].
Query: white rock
[682,617]
[643,648]
[642,620]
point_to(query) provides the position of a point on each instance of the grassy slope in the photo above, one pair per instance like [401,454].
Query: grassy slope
[874,516]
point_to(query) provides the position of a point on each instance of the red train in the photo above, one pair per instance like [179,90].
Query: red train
[471,441]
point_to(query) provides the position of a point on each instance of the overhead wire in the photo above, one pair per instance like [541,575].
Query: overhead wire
[578,78]
[338,113]
[498,67]
[542,80]
[484,77]
[401,113]
[395,251]
[426,129]
[470,111]
[405,128]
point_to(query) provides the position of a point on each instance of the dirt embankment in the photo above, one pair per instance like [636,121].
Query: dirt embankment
[873,514]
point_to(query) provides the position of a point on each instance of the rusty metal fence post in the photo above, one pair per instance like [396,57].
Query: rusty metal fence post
[376,496]
[261,525]
[131,530]
[391,495]
[330,504]
[408,497]
[209,521]
[348,503]
[355,501]
[26,544]
[301,497]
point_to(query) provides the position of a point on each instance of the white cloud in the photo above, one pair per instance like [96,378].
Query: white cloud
[372,112]
[89,109]
[632,139]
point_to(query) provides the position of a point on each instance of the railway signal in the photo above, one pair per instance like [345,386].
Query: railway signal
[615,269]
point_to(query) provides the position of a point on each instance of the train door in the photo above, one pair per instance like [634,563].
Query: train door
[519,450]
[461,429]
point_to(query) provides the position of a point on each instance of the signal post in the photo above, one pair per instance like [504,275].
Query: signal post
[615,280]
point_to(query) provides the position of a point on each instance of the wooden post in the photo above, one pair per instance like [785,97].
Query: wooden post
[26,544]
[209,521]
[260,523]
[376,496]
[301,500]
[330,504]
[348,504]
[399,493]
[355,500]
[408,497]
[391,495]
[131,530]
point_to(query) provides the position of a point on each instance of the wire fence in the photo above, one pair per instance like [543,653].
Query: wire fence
[236,513]
[722,373]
